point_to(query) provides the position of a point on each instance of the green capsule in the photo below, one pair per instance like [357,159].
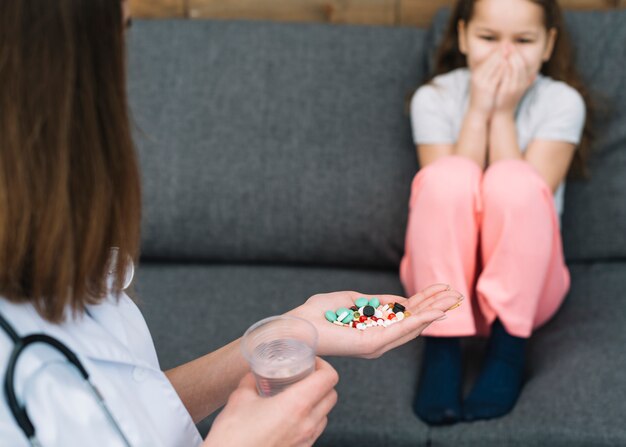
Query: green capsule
[341,310]
[349,317]
[374,302]
[343,313]
[330,315]
[360,302]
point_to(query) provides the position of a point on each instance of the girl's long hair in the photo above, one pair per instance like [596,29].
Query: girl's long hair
[559,67]
[69,180]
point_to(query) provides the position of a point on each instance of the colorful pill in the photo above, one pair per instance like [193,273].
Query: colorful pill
[341,310]
[348,318]
[368,311]
[360,302]
[397,307]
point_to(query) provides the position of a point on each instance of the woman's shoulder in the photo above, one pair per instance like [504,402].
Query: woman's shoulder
[25,318]
[22,316]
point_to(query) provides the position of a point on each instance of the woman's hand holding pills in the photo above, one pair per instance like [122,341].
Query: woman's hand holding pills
[425,307]
[296,417]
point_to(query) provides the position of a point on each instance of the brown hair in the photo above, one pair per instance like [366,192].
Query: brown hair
[69,180]
[560,66]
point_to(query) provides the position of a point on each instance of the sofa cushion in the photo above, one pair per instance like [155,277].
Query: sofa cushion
[214,304]
[575,394]
[576,389]
[594,221]
[265,141]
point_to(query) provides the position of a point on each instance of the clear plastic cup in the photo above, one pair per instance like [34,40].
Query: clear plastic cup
[280,351]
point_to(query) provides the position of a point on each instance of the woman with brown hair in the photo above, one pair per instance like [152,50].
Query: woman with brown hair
[69,191]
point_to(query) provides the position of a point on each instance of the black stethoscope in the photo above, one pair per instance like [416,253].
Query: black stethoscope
[19,411]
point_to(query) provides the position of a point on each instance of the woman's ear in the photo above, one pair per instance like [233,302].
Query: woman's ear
[462,37]
[552,35]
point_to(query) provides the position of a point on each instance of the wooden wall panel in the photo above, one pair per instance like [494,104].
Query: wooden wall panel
[382,12]
[282,10]
[158,8]
[420,12]
[587,4]
[334,11]
[376,12]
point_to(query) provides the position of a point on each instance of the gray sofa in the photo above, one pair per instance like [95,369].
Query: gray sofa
[277,161]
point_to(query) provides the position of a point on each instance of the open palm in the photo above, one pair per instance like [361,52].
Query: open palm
[425,307]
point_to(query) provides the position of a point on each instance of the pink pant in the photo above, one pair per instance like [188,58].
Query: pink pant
[494,236]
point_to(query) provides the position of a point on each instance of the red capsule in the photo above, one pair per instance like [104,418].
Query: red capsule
[363,318]
[391,316]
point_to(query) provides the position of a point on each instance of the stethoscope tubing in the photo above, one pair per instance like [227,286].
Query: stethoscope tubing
[19,412]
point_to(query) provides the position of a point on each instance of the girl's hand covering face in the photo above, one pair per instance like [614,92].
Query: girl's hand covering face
[517,78]
[425,307]
[515,32]
[485,79]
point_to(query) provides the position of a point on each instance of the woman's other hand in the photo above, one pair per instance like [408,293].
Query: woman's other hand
[295,417]
[426,307]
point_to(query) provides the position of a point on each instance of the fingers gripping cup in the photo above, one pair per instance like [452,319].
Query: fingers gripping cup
[280,351]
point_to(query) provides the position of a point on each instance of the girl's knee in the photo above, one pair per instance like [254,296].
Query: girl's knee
[513,184]
[447,181]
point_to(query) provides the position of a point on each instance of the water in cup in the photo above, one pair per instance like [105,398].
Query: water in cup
[280,351]
[282,363]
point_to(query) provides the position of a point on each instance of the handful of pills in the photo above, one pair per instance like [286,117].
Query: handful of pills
[367,313]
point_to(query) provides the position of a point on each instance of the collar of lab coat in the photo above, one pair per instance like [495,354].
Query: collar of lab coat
[100,333]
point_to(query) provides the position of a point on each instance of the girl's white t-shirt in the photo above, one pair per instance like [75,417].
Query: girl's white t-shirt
[549,110]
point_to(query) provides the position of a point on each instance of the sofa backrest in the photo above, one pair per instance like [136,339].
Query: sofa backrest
[267,142]
[594,221]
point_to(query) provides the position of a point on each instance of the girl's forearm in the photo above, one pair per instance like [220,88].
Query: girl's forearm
[204,384]
[503,138]
[472,141]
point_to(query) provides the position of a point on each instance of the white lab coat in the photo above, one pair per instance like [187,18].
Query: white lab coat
[114,345]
